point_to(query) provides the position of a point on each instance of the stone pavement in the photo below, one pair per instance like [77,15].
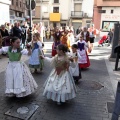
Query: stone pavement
[96,92]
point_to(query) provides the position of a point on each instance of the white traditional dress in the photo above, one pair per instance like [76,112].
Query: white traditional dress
[19,81]
[75,70]
[35,61]
[60,85]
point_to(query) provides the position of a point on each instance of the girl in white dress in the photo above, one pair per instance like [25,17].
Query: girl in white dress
[60,85]
[19,81]
[76,72]
[35,61]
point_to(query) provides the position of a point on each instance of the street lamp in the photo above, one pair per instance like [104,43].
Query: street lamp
[30,5]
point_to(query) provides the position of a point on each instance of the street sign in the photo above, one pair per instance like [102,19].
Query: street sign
[33,4]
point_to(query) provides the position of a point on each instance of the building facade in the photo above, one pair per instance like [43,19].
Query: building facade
[18,11]
[4,11]
[106,13]
[58,13]
[81,13]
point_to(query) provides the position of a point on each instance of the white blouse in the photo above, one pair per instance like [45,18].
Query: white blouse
[5,50]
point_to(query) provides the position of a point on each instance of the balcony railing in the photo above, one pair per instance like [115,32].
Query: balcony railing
[78,14]
[78,0]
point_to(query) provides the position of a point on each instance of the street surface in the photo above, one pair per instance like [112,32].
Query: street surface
[95,92]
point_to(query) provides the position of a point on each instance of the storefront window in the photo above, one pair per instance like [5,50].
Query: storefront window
[107,25]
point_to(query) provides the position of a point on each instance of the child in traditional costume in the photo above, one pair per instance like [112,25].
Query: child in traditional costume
[19,81]
[76,71]
[60,85]
[35,62]
[65,40]
[84,62]
[57,36]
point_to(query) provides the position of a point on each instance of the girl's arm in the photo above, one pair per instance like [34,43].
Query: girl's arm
[4,49]
[26,52]
[47,58]
[40,47]
[40,44]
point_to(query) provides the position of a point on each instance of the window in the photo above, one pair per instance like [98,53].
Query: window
[16,2]
[102,11]
[12,1]
[55,9]
[20,4]
[112,11]
[107,25]
[56,1]
[17,14]
[20,14]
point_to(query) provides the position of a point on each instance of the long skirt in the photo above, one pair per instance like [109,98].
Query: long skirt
[85,65]
[35,61]
[61,87]
[19,81]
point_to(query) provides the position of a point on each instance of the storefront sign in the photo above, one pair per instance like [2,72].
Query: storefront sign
[111,17]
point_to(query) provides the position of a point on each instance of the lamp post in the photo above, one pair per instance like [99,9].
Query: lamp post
[30,5]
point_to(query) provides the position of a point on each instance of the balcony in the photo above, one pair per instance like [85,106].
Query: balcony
[77,14]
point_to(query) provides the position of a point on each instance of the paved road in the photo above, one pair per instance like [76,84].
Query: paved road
[94,92]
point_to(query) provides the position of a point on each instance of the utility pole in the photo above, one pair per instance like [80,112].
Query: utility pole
[30,5]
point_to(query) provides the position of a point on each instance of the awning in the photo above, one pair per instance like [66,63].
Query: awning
[55,17]
[79,21]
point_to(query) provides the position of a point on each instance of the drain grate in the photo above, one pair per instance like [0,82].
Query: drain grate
[110,107]
[24,112]
[90,85]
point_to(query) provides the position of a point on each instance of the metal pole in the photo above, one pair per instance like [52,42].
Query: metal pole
[115,40]
[30,14]
[41,12]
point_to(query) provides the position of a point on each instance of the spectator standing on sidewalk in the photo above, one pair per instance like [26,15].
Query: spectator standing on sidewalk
[41,30]
[110,36]
[86,36]
[5,36]
[78,31]
[16,31]
[92,32]
[4,32]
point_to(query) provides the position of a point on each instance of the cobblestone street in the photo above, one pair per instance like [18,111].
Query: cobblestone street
[95,92]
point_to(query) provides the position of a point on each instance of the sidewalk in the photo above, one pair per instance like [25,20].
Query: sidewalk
[95,96]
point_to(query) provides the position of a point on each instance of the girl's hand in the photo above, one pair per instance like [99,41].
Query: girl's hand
[28,46]
[71,59]
[42,57]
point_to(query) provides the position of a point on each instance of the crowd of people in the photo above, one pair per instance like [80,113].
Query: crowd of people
[69,56]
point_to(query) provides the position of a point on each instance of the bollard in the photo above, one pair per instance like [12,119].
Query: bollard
[116,111]
[117,61]
[117,51]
